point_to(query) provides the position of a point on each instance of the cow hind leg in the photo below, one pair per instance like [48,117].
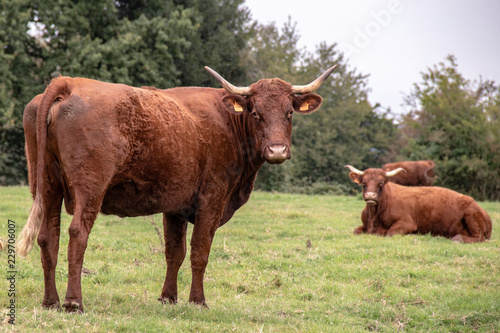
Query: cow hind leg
[174,230]
[476,227]
[48,240]
[87,208]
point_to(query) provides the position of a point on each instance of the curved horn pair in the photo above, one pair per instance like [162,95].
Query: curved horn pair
[245,91]
[387,174]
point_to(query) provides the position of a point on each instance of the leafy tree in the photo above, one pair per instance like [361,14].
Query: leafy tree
[200,33]
[124,43]
[455,122]
[17,86]
[221,35]
[271,52]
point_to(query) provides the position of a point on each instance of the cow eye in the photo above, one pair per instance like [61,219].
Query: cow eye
[255,115]
[290,114]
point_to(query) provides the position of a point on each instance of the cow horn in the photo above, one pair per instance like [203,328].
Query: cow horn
[311,87]
[394,172]
[353,169]
[245,91]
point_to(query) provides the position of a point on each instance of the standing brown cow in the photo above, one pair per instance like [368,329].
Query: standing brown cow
[189,153]
[418,173]
[394,209]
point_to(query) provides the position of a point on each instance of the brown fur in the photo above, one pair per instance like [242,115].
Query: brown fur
[418,173]
[115,149]
[405,210]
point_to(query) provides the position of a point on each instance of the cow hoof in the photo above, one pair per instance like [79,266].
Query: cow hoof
[72,306]
[51,305]
[458,238]
[200,303]
[358,231]
[165,300]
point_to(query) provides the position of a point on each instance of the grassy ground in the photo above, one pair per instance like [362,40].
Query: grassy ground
[284,263]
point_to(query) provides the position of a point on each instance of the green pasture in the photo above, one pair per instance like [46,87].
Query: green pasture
[284,263]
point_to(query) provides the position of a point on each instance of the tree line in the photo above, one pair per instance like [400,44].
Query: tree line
[452,120]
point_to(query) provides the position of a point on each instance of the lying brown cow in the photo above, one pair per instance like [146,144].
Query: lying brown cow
[189,153]
[394,209]
[418,173]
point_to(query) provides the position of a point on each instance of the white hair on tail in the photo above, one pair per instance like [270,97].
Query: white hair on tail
[31,229]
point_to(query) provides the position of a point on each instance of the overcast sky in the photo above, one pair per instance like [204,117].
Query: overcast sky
[394,41]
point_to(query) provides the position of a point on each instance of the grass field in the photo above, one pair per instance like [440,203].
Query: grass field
[284,263]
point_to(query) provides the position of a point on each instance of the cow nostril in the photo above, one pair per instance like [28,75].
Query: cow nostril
[370,195]
[276,154]
[277,149]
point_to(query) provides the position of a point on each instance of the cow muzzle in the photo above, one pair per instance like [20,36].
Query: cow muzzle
[276,154]
[371,198]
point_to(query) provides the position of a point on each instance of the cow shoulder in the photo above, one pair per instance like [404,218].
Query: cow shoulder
[399,203]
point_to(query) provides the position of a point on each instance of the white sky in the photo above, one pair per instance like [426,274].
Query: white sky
[394,41]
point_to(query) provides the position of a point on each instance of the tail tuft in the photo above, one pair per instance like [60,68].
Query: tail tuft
[31,229]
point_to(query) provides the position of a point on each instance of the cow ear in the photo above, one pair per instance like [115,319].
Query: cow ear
[355,177]
[234,103]
[307,103]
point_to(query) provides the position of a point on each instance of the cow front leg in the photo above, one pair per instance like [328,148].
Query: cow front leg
[174,230]
[203,232]
[360,230]
[402,227]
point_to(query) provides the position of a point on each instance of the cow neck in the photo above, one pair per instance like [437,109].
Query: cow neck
[376,212]
[248,157]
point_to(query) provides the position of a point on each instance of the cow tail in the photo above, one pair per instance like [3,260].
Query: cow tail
[30,230]
[58,89]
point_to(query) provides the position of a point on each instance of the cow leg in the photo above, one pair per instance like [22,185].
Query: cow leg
[174,230]
[402,227]
[206,223]
[48,240]
[85,214]
[360,230]
[476,227]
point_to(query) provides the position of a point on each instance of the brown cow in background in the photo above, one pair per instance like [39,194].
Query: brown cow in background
[394,209]
[418,173]
[190,153]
